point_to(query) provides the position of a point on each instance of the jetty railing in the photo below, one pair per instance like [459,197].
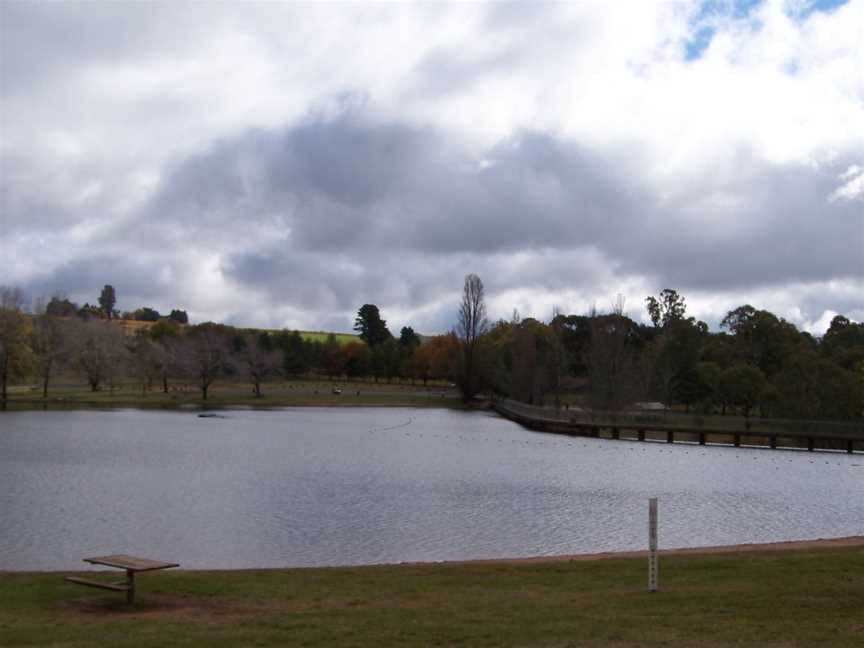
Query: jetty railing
[666,425]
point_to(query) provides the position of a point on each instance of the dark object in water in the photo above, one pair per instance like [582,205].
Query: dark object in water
[211,415]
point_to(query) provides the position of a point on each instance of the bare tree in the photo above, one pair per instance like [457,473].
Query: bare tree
[50,343]
[204,354]
[149,359]
[471,326]
[99,352]
[257,362]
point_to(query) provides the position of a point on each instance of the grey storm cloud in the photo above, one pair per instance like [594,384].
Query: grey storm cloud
[356,188]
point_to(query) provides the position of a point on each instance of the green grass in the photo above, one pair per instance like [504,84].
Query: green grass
[774,599]
[282,393]
[322,336]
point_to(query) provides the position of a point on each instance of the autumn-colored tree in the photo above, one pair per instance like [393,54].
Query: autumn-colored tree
[15,352]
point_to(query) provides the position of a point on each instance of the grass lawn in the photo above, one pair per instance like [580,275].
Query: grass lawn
[783,598]
[282,393]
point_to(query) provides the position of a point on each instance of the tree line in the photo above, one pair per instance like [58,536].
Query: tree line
[37,345]
[757,363]
[60,306]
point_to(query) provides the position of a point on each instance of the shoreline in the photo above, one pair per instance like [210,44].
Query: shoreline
[846,542]
[747,547]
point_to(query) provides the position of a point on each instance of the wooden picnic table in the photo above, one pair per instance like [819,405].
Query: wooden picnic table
[132,565]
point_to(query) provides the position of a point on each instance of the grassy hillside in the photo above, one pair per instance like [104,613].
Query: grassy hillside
[131,327]
[321,336]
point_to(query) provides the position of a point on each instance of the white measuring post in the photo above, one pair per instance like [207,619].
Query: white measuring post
[652,544]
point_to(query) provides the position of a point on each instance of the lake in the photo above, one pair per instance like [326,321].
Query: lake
[340,486]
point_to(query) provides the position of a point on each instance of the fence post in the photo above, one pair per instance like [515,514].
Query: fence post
[652,544]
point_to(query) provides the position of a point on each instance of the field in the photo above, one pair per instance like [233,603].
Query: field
[767,599]
[322,336]
[277,393]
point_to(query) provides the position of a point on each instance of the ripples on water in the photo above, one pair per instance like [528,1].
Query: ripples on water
[317,486]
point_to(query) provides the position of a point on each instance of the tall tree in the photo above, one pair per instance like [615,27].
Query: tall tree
[470,327]
[669,308]
[371,328]
[612,361]
[107,299]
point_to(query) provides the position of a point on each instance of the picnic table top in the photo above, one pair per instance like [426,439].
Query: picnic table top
[131,563]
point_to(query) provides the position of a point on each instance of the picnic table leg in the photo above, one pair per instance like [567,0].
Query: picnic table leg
[130,582]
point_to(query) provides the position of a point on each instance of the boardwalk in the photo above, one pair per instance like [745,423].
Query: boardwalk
[671,428]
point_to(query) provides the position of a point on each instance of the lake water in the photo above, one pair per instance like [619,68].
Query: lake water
[310,486]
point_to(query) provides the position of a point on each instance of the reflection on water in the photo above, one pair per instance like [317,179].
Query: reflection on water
[314,486]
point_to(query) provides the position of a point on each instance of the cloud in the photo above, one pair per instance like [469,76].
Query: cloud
[281,165]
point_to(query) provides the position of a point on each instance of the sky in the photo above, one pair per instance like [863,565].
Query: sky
[281,164]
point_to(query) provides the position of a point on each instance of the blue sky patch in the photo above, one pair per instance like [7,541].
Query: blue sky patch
[694,47]
[704,24]
[803,10]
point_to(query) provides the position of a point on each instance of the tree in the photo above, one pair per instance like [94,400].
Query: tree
[146,314]
[107,299]
[524,377]
[843,342]
[356,357]
[99,352]
[408,338]
[257,361]
[669,308]
[49,342]
[15,353]
[675,354]
[205,353]
[612,358]
[296,354]
[60,306]
[708,393]
[762,339]
[371,328]
[166,333]
[149,360]
[470,327]
[179,316]
[742,385]
[87,312]
[813,387]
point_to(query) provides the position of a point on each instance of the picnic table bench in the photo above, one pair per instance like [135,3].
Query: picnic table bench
[131,564]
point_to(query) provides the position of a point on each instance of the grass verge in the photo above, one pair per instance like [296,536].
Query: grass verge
[292,393]
[783,598]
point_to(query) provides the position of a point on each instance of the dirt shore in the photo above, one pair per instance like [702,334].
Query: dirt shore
[792,545]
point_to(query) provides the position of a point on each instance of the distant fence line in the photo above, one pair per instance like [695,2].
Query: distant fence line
[666,420]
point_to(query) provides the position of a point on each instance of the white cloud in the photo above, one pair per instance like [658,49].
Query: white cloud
[104,105]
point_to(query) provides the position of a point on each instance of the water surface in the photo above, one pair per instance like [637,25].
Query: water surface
[318,486]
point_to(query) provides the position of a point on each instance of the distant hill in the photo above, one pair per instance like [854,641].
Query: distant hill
[131,327]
